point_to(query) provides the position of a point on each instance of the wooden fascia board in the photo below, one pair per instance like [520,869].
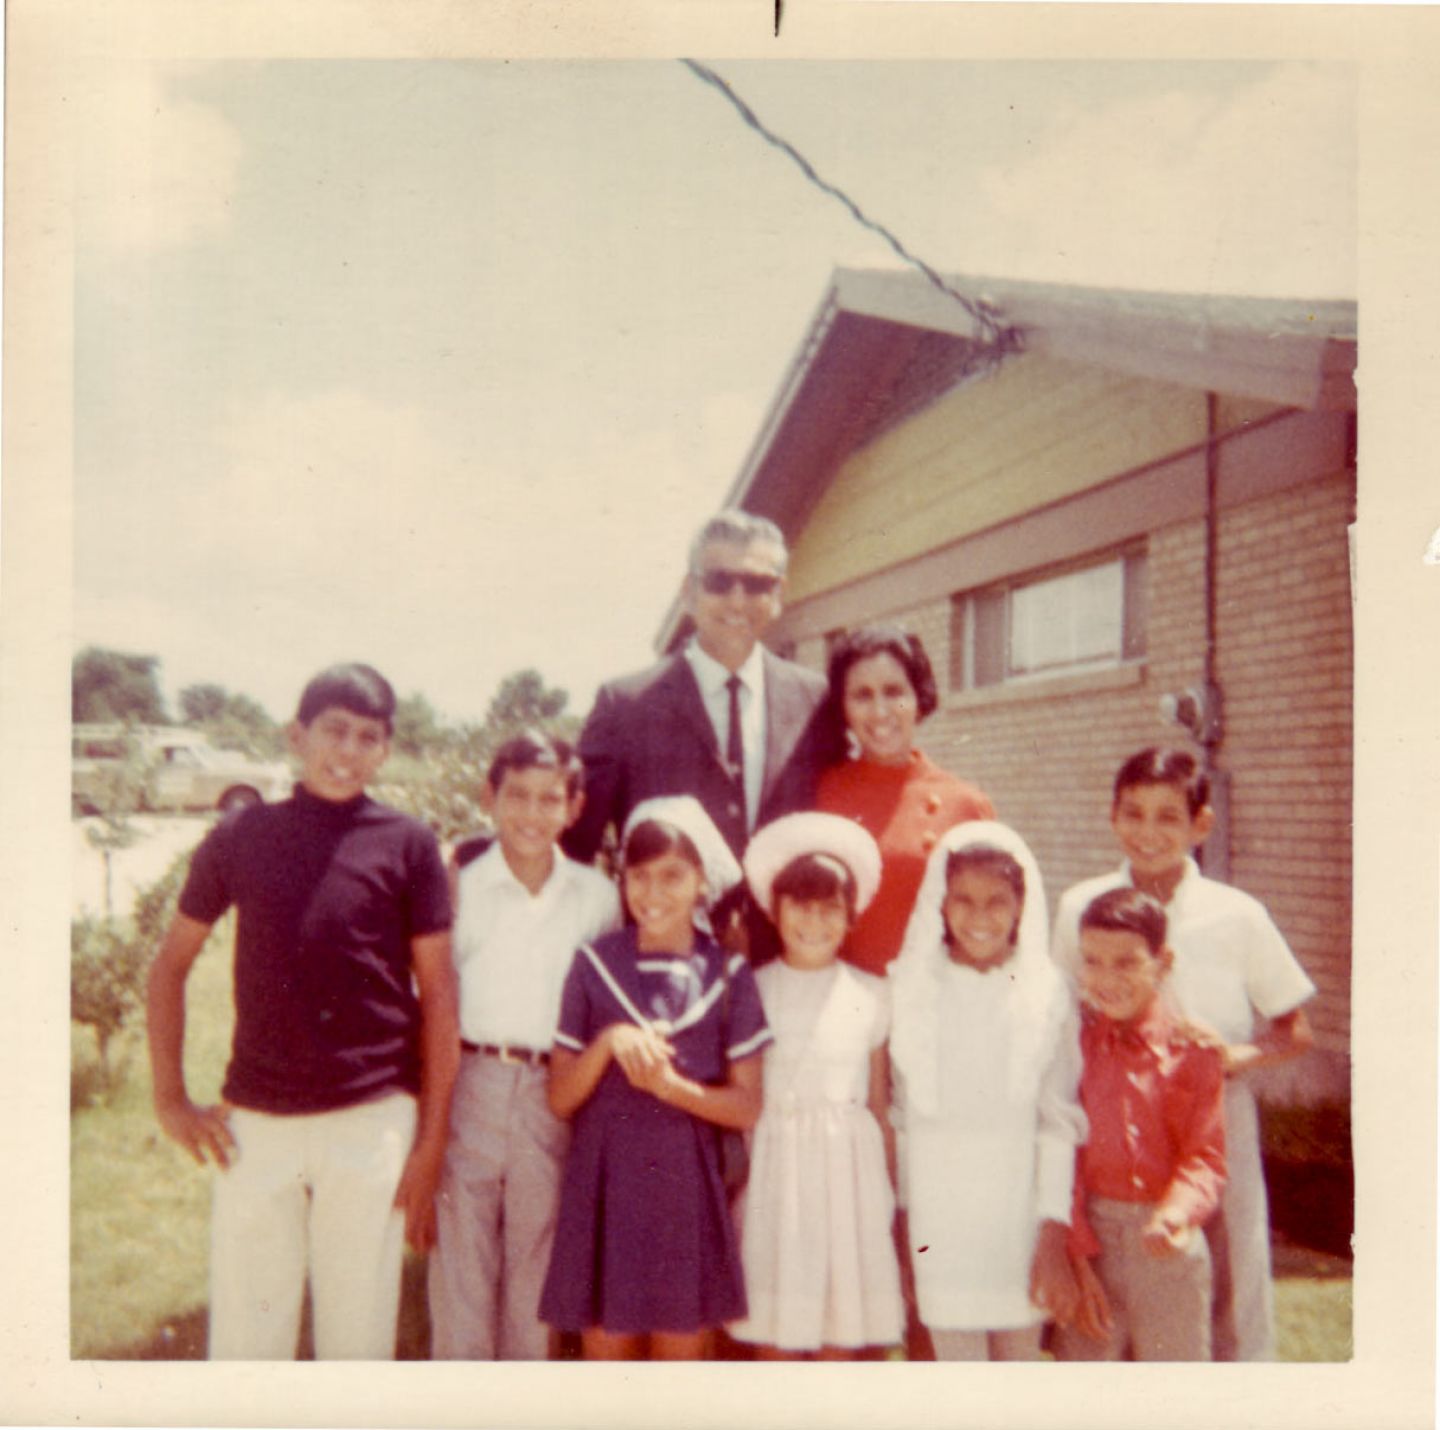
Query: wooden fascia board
[1226,364]
[1294,369]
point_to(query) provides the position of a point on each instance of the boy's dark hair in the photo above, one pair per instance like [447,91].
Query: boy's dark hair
[815,876]
[1128,911]
[1161,766]
[360,689]
[865,641]
[986,859]
[652,838]
[535,750]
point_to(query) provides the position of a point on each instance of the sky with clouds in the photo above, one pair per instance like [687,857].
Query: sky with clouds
[438,364]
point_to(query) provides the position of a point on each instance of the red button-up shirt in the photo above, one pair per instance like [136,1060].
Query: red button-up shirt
[1155,1102]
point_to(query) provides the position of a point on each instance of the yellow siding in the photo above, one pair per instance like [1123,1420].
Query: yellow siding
[1238,411]
[1040,430]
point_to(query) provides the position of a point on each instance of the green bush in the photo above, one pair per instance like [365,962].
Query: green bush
[109,962]
[1318,1134]
[107,985]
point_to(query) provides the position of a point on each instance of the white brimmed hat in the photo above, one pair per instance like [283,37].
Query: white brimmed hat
[792,835]
[687,814]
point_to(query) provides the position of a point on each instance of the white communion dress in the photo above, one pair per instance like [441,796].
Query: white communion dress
[815,1217]
[995,1157]
[986,1065]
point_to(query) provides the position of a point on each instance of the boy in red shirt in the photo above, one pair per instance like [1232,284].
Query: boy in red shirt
[1151,1174]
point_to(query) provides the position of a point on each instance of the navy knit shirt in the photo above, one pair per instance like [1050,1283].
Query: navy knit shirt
[328,898]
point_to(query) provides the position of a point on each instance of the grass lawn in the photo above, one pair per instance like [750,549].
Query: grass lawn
[139,1207]
[139,1214]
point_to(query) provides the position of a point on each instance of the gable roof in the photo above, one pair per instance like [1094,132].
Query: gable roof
[884,343]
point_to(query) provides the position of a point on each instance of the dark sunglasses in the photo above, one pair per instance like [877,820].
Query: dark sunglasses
[717,582]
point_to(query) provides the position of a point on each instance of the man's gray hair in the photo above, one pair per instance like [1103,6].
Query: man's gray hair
[739,528]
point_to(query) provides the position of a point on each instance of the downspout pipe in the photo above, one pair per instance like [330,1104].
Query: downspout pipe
[1216,850]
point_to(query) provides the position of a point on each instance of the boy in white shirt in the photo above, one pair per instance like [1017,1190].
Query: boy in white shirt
[523,908]
[1231,963]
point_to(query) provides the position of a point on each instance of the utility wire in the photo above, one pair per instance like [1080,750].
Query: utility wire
[1000,337]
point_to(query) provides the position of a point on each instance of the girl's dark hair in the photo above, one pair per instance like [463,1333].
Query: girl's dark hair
[815,876]
[986,859]
[535,750]
[1127,911]
[360,689]
[1159,766]
[866,641]
[652,838]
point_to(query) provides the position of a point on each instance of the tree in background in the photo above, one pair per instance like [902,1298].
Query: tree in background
[231,720]
[457,757]
[419,730]
[522,702]
[115,790]
[110,685]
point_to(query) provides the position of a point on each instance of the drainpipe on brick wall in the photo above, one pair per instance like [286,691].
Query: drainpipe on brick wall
[1216,849]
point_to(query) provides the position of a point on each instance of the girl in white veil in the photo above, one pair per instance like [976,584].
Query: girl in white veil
[986,1058]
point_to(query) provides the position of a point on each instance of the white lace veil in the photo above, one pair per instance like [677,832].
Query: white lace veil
[1038,992]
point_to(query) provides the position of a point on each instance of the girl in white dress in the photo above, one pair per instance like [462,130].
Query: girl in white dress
[815,1217]
[986,1057]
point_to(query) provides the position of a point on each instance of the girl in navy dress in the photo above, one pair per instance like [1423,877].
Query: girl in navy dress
[658,1046]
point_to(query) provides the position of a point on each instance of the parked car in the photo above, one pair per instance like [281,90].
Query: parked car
[172,768]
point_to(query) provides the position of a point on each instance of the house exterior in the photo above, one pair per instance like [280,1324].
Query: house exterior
[1132,529]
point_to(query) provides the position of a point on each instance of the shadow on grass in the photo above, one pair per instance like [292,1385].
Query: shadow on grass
[184,1337]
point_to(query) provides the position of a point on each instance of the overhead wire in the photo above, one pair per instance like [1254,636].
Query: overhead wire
[996,335]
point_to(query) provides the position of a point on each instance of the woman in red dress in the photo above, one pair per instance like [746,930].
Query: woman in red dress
[882,683]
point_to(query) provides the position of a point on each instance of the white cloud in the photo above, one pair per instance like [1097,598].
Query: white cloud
[155,171]
[1253,192]
[336,527]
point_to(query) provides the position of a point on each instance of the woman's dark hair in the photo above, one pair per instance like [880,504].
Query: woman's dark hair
[815,876]
[360,689]
[1159,766]
[535,750]
[1127,911]
[866,641]
[652,838]
[986,859]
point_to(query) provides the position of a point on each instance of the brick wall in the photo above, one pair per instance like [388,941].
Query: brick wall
[1285,659]
[1047,755]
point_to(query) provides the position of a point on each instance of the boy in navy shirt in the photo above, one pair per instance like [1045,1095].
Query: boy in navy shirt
[331,1131]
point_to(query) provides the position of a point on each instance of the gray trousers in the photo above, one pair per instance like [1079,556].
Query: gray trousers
[495,1214]
[1159,1305]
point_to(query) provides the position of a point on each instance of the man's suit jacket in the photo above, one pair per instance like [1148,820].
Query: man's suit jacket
[648,734]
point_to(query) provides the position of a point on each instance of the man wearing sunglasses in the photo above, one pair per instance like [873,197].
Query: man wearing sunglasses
[723,718]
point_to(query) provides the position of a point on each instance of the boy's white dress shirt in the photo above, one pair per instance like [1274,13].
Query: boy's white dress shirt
[513,948]
[1230,963]
[500,1187]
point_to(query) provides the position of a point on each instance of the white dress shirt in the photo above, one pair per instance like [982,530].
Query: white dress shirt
[514,948]
[711,676]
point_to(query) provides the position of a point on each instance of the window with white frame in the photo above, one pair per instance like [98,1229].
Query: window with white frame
[1063,621]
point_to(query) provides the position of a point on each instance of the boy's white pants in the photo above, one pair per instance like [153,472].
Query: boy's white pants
[310,1192]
